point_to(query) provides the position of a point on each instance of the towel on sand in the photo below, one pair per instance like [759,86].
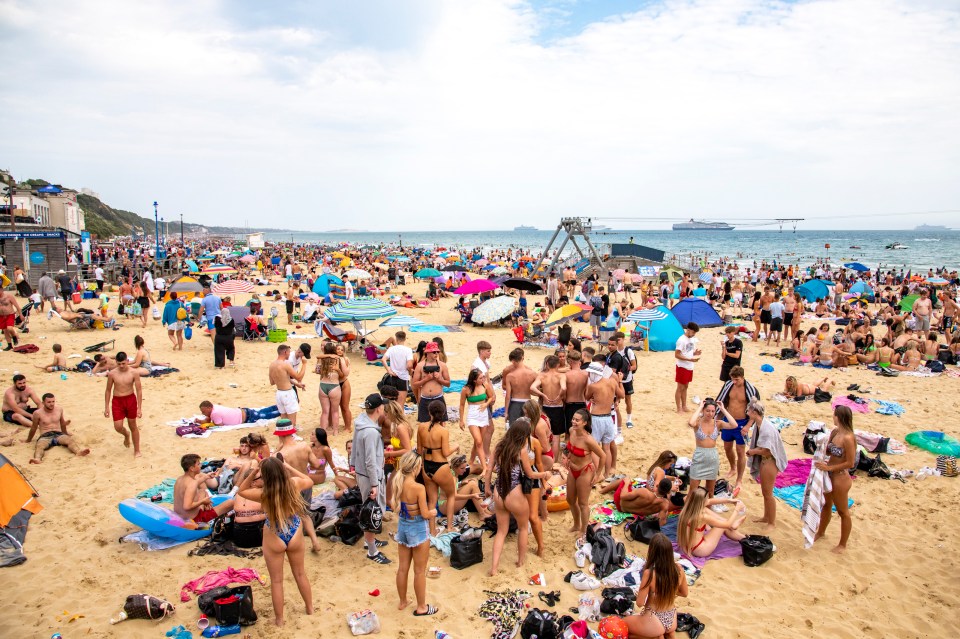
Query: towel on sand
[889,408]
[793,496]
[165,488]
[849,403]
[725,549]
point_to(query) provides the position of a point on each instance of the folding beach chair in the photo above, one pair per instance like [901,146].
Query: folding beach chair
[101,347]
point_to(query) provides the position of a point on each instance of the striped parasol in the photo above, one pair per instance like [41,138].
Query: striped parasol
[706,278]
[647,315]
[493,310]
[358,274]
[360,308]
[212,269]
[232,287]
[401,320]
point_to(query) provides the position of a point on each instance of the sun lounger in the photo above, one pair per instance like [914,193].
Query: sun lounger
[101,347]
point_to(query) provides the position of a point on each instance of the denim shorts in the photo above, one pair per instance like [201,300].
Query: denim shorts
[412,532]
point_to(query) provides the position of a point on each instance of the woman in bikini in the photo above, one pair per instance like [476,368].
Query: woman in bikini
[533,488]
[321,448]
[793,388]
[541,430]
[869,353]
[248,515]
[396,434]
[344,376]
[662,581]
[479,395]
[699,529]
[911,358]
[283,504]
[330,368]
[512,462]
[808,347]
[755,307]
[468,490]
[582,451]
[705,465]
[433,443]
[658,471]
[767,460]
[142,358]
[841,450]
[409,501]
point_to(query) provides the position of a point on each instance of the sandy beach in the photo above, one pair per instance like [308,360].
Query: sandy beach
[897,578]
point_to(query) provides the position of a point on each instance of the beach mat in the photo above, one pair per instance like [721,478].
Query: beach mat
[793,496]
[726,549]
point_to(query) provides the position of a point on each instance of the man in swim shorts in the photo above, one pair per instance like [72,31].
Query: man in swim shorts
[126,402]
[284,377]
[16,402]
[736,393]
[190,497]
[603,389]
[516,385]
[9,309]
[225,416]
[50,421]
[551,387]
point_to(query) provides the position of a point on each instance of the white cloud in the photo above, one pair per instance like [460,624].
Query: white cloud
[741,108]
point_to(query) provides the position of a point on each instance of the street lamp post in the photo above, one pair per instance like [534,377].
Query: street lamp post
[156,236]
[181,228]
[163,232]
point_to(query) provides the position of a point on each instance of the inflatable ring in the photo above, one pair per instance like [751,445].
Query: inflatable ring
[557,500]
[935,442]
[161,521]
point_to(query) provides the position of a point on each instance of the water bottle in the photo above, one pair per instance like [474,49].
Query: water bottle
[221,631]
[121,617]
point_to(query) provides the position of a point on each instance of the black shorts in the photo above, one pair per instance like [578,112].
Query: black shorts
[248,534]
[764,317]
[776,324]
[8,414]
[423,406]
[568,410]
[788,319]
[402,385]
[628,388]
[557,417]
[289,307]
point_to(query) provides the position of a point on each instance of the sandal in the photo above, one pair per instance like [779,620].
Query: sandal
[431,610]
[549,598]
[379,558]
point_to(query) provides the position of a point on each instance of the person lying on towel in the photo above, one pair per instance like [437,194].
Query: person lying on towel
[225,416]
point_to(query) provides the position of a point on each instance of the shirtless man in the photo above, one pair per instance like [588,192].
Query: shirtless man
[190,498]
[923,310]
[516,385]
[298,455]
[104,363]
[290,297]
[16,402]
[789,308]
[576,384]
[603,389]
[429,379]
[284,377]
[765,301]
[641,501]
[127,401]
[735,395]
[50,421]
[9,309]
[950,308]
[551,387]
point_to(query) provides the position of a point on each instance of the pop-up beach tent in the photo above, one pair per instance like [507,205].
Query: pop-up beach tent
[18,502]
[664,333]
[695,310]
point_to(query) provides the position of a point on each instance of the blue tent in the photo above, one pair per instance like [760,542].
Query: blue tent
[813,290]
[861,288]
[665,333]
[826,283]
[322,286]
[695,310]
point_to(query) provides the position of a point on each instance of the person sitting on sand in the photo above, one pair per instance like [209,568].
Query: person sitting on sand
[16,402]
[468,489]
[49,419]
[59,361]
[808,348]
[190,497]
[793,388]
[225,416]
[931,347]
[699,528]
[141,360]
[242,455]
[911,358]
[844,354]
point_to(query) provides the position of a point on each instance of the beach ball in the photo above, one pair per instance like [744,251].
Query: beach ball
[613,628]
[767,368]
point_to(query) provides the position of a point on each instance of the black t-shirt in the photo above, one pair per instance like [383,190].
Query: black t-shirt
[563,333]
[732,347]
[64,282]
[615,361]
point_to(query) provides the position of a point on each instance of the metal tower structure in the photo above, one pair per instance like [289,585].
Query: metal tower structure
[572,228]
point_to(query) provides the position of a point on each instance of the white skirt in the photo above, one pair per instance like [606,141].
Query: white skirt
[477,416]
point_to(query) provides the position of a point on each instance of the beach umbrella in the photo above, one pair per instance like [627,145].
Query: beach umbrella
[567,313]
[452,268]
[476,286]
[706,278]
[401,320]
[232,287]
[213,269]
[523,284]
[499,271]
[248,259]
[619,273]
[826,283]
[427,272]
[192,266]
[185,284]
[360,309]
[489,267]
[481,262]
[647,316]
[861,288]
[906,304]
[494,309]
[937,281]
[856,266]
[358,274]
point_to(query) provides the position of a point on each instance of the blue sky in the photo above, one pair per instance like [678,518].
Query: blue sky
[462,115]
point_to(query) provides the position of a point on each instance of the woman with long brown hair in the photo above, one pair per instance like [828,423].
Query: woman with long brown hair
[330,368]
[841,449]
[283,505]
[662,581]
[699,529]
[345,391]
[582,452]
[433,444]
[533,488]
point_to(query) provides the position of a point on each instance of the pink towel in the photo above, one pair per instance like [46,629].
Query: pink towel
[216,578]
[796,473]
[849,403]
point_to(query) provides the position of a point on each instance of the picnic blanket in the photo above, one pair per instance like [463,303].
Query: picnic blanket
[164,488]
[889,408]
[725,549]
[849,403]
[793,496]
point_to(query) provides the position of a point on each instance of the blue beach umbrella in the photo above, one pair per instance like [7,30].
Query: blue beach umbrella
[861,288]
[856,266]
[813,290]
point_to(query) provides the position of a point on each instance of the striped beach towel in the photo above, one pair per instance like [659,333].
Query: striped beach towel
[818,484]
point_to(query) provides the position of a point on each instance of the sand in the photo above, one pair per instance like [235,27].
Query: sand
[897,579]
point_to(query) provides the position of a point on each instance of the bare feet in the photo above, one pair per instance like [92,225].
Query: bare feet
[315,548]
[817,537]
[84,452]
[839,550]
[731,474]
[126,438]
[761,520]
[278,622]
[574,528]
[492,572]
[35,461]
[403,604]
[769,528]
[137,454]
[539,551]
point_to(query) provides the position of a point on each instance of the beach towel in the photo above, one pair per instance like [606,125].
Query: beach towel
[428,328]
[725,549]
[819,365]
[793,497]
[505,610]
[818,484]
[796,473]
[849,403]
[148,541]
[923,372]
[160,371]
[498,413]
[607,513]
[456,385]
[442,542]
[781,422]
[164,488]
[217,578]
[889,408]
[215,429]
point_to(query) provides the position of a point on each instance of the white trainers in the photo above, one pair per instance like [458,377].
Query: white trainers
[582,581]
[582,555]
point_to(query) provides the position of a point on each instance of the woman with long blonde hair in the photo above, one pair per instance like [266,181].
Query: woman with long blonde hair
[409,501]
[330,368]
[283,505]
[396,434]
[699,529]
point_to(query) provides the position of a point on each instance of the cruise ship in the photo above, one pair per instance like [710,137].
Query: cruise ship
[931,228]
[700,225]
[525,228]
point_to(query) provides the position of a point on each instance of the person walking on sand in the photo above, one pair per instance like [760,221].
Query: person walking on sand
[174,318]
[126,401]
[686,354]
[734,396]
[409,501]
[283,376]
[9,310]
[50,421]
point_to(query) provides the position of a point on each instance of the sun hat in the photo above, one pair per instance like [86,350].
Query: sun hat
[284,428]
[432,347]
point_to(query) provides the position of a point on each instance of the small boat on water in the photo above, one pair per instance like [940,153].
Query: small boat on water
[856,247]
[896,246]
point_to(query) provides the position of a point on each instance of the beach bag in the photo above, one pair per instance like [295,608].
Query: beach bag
[490,524]
[221,530]
[147,607]
[350,498]
[189,429]
[229,606]
[821,396]
[85,366]
[936,366]
[181,314]
[371,517]
[788,353]
[944,355]
[188,332]
[757,549]
[384,381]
[948,466]
[879,469]
[810,439]
[466,552]
[347,527]
[539,624]
[643,529]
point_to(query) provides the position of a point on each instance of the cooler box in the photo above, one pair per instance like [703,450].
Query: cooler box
[76,298]
[277,335]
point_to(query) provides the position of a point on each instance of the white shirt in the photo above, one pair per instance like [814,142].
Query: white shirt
[98,273]
[481,366]
[160,283]
[398,356]
[686,346]
[348,289]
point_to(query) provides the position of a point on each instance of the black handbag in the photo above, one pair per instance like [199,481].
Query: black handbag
[239,611]
[539,624]
[757,549]
[643,529]
[371,517]
[350,498]
[465,553]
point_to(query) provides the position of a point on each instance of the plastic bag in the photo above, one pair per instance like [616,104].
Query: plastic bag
[156,312]
[589,608]
[364,622]
[757,549]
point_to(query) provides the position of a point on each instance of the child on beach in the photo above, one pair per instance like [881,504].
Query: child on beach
[59,361]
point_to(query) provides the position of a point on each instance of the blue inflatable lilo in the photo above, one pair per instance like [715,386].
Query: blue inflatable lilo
[161,521]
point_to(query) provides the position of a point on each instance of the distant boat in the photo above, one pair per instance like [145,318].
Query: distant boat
[896,246]
[525,228]
[856,247]
[931,228]
[700,225]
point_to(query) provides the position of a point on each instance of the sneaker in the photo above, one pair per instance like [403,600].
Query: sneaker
[618,440]
[582,555]
[582,581]
[379,558]
[629,423]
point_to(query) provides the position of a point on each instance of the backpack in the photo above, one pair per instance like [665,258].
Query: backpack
[643,529]
[947,466]
[540,624]
[810,438]
[229,606]
[348,527]
[757,549]
[371,517]
[934,366]
[879,469]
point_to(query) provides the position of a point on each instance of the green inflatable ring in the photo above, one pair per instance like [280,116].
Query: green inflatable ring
[935,442]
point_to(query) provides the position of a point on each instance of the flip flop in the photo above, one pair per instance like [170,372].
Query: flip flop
[431,610]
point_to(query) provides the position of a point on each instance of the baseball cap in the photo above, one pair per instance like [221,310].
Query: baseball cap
[432,347]
[284,428]
[373,401]
[305,349]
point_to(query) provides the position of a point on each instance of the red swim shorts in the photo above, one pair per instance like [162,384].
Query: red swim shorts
[124,406]
[205,515]
[7,321]
[684,375]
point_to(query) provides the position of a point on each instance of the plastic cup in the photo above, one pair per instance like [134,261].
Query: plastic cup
[203,622]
